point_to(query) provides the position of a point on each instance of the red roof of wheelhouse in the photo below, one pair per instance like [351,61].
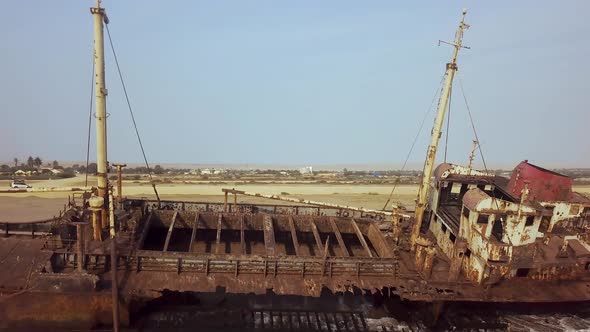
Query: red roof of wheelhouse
[544,185]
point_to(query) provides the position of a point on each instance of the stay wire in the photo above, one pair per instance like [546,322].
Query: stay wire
[131,111]
[483,160]
[472,123]
[89,121]
[436,92]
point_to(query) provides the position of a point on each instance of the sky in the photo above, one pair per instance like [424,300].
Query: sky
[298,82]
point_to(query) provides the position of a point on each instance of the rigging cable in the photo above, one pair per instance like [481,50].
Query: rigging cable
[89,121]
[472,124]
[494,199]
[415,140]
[131,112]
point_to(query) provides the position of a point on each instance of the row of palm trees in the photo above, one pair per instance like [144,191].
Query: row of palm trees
[34,162]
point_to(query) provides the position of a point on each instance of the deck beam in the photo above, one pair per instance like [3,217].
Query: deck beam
[242,235]
[144,231]
[339,238]
[170,230]
[294,236]
[194,233]
[218,236]
[269,235]
[361,237]
[316,235]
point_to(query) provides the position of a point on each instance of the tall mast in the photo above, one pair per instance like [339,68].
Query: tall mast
[436,133]
[99,16]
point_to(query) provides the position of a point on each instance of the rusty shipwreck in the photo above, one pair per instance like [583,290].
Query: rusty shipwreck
[474,236]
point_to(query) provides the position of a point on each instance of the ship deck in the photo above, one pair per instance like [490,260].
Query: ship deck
[184,247]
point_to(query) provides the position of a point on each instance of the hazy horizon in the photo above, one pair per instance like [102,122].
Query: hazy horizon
[265,166]
[299,83]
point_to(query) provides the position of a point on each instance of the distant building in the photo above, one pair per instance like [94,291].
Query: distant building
[206,171]
[306,170]
[20,172]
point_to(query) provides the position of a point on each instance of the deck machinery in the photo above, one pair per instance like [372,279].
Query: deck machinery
[475,237]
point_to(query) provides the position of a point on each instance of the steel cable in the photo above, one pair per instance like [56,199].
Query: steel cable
[472,123]
[131,112]
[483,160]
[436,92]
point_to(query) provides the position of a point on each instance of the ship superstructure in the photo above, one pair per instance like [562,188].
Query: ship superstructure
[492,229]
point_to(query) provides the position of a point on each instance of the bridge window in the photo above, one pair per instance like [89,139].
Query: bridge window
[483,218]
[452,237]
[456,188]
[497,229]
[574,209]
[530,220]
[466,212]
[443,227]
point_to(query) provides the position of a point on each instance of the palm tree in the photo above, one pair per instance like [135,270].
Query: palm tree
[30,162]
[37,162]
[15,162]
[55,164]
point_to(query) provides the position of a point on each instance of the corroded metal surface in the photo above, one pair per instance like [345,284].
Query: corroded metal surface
[251,208]
[345,208]
[544,185]
[492,235]
[19,259]
[48,311]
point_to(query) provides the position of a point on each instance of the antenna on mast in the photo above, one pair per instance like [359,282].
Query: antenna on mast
[462,26]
